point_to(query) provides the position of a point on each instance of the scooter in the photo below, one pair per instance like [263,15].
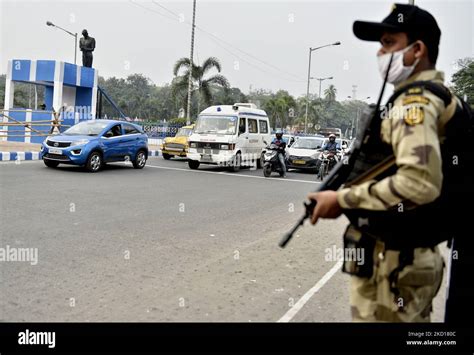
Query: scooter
[271,162]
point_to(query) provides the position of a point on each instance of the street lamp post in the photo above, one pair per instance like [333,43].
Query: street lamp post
[49,23]
[320,80]
[309,76]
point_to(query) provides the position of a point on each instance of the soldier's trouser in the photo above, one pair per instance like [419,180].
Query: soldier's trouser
[405,298]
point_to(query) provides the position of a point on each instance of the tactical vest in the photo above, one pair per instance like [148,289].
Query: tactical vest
[430,224]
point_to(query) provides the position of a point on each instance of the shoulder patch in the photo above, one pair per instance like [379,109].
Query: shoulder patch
[418,90]
[415,99]
[414,115]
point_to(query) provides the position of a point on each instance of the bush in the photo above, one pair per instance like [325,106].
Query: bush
[177,121]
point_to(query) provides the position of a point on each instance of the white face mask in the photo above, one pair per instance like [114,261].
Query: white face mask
[398,71]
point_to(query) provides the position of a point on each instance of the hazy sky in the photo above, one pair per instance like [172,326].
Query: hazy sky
[260,44]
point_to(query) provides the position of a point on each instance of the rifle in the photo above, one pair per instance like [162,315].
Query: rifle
[338,175]
[367,158]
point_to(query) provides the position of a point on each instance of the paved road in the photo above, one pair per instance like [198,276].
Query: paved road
[165,244]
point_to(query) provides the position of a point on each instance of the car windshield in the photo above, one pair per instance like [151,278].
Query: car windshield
[86,128]
[216,124]
[184,132]
[305,143]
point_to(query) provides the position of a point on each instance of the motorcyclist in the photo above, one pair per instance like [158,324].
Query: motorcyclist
[333,147]
[281,143]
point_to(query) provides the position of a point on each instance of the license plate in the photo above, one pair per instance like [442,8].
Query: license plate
[206,158]
[299,162]
[55,151]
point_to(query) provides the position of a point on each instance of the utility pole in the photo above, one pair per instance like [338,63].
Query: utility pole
[190,79]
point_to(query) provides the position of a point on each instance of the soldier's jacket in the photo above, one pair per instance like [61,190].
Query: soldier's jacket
[414,127]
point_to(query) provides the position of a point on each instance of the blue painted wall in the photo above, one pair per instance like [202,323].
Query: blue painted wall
[70,74]
[21,70]
[45,70]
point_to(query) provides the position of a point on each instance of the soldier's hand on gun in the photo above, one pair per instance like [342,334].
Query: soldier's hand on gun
[326,206]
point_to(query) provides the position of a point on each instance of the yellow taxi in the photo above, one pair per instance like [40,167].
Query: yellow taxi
[177,145]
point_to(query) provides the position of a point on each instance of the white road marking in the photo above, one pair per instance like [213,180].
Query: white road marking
[305,298]
[231,174]
[9,162]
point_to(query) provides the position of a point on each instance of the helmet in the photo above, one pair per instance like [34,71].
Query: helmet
[279,133]
[332,135]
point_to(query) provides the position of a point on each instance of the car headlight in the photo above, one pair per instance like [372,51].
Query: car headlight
[193,145]
[224,146]
[80,142]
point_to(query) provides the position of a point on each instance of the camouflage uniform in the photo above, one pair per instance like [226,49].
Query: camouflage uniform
[414,128]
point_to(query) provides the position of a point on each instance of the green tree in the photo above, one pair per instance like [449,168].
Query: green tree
[3,79]
[204,86]
[230,96]
[463,79]
[281,108]
[330,93]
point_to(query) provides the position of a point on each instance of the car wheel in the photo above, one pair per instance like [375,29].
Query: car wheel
[236,163]
[167,156]
[193,164]
[267,170]
[51,163]
[140,160]
[94,162]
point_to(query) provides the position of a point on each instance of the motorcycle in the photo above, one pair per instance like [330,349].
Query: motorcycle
[271,162]
[327,161]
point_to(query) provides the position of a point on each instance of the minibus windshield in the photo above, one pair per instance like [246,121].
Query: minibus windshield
[216,124]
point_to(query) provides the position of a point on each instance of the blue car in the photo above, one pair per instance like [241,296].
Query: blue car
[95,142]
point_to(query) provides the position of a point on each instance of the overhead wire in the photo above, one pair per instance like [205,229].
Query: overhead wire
[216,40]
[231,45]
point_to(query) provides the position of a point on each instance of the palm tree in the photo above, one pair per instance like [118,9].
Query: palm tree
[330,93]
[199,83]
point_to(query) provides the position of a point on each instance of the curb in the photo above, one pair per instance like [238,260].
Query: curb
[153,153]
[10,156]
[5,156]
